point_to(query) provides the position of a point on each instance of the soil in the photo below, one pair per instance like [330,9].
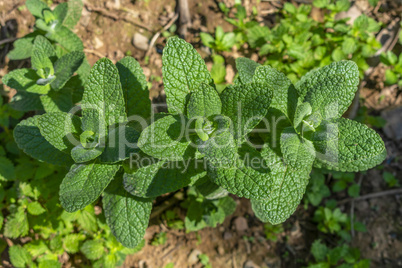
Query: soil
[107,29]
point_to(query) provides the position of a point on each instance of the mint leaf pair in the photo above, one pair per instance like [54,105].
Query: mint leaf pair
[95,144]
[55,24]
[47,77]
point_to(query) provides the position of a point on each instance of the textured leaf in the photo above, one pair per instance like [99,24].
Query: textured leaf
[347,146]
[209,189]
[204,101]
[166,139]
[66,38]
[162,177]
[22,47]
[246,69]
[82,155]
[93,249]
[40,61]
[25,79]
[26,101]
[331,89]
[126,215]
[246,105]
[35,208]
[285,96]
[36,7]
[84,183]
[19,256]
[249,176]
[287,190]
[297,152]
[57,101]
[302,111]
[41,43]
[220,149]
[121,143]
[74,13]
[71,242]
[58,129]
[29,139]
[103,97]
[135,89]
[65,67]
[60,12]
[17,224]
[183,71]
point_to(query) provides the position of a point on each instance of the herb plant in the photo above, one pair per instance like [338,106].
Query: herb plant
[55,24]
[393,73]
[49,83]
[219,143]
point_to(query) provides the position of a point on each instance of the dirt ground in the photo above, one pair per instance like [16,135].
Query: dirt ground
[107,29]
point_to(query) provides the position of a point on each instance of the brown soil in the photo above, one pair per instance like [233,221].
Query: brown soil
[226,245]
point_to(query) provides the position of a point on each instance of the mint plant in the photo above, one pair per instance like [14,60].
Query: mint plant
[48,84]
[217,142]
[54,24]
[393,73]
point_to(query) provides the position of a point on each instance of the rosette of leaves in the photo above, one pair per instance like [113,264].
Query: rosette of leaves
[309,131]
[95,144]
[55,24]
[49,84]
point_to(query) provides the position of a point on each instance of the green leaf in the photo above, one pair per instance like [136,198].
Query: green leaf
[42,44]
[349,45]
[209,189]
[74,13]
[7,171]
[245,174]
[135,89]
[25,79]
[93,249]
[246,105]
[204,102]
[121,143]
[285,98]
[319,250]
[65,67]
[84,183]
[59,129]
[36,248]
[390,77]
[41,63]
[36,7]
[57,101]
[207,39]
[297,152]
[126,215]
[26,101]
[302,111]
[82,155]
[331,89]
[166,139]
[43,263]
[287,189]
[183,71]
[35,208]
[162,177]
[66,39]
[347,146]
[246,69]
[60,12]
[103,97]
[354,190]
[71,242]
[29,138]
[17,224]
[19,256]
[22,47]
